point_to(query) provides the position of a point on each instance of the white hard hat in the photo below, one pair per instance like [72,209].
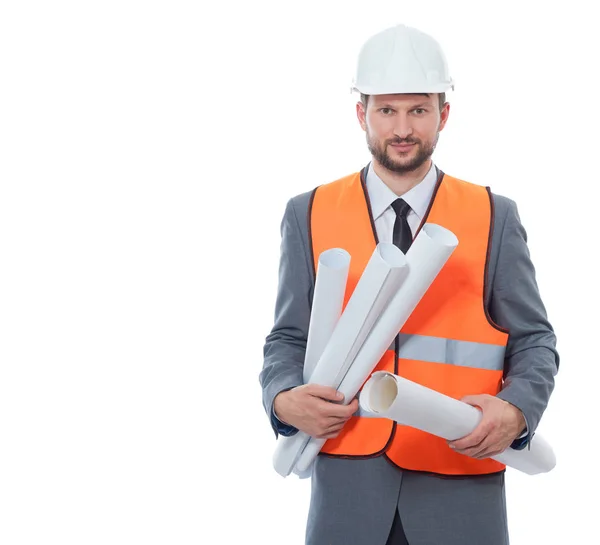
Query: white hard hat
[401,59]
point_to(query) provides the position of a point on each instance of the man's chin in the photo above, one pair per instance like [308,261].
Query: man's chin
[402,166]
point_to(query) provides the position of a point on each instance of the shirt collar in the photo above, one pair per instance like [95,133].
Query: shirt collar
[418,198]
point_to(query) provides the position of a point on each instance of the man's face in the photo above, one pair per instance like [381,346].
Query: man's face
[402,130]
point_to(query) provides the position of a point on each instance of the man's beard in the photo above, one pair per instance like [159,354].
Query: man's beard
[380,153]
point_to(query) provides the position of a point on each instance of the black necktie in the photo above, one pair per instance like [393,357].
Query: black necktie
[402,233]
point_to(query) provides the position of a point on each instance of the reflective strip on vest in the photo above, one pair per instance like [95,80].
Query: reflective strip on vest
[450,351]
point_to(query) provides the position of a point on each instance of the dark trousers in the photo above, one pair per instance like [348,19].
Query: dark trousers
[397,536]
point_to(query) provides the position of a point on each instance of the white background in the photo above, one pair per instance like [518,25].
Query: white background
[147,151]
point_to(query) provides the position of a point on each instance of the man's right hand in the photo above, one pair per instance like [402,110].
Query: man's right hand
[310,409]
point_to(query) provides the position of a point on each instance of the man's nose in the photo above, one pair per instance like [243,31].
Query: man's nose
[403,128]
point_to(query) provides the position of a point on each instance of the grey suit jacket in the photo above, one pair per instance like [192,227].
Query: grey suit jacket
[353,501]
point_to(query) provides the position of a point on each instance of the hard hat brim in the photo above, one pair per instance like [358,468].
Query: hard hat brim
[440,88]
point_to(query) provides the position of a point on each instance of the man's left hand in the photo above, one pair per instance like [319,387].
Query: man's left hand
[500,425]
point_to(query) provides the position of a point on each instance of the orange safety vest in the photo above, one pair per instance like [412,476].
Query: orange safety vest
[449,343]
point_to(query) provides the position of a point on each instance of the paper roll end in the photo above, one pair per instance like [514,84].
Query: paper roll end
[281,461]
[441,235]
[379,392]
[280,468]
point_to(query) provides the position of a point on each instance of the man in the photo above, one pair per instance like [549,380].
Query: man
[376,482]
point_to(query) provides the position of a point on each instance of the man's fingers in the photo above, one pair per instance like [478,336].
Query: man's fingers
[493,452]
[331,432]
[329,436]
[472,440]
[484,455]
[332,420]
[333,425]
[491,447]
[477,450]
[335,428]
[352,407]
[324,392]
[335,409]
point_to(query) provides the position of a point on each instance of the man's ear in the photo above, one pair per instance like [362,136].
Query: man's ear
[361,114]
[444,115]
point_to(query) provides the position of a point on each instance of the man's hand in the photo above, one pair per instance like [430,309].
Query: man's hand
[500,425]
[310,409]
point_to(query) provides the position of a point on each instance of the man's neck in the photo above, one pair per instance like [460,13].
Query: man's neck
[401,183]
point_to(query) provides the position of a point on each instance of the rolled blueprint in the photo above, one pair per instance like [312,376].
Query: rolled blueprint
[415,405]
[385,271]
[426,257]
[328,301]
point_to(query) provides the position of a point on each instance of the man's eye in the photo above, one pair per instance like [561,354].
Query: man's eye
[420,110]
[385,111]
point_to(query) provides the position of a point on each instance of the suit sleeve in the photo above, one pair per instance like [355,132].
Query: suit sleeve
[285,346]
[531,360]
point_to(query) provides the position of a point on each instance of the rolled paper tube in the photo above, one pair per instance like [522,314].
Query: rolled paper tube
[328,301]
[415,405]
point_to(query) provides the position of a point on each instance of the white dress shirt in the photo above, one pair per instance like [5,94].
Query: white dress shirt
[382,197]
